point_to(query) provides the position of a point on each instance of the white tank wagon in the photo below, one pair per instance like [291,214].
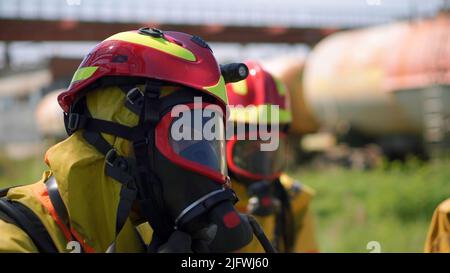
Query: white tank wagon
[391,80]
[49,117]
[388,83]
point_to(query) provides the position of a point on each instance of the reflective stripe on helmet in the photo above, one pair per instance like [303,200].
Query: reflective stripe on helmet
[281,88]
[240,87]
[84,73]
[160,44]
[219,90]
[260,114]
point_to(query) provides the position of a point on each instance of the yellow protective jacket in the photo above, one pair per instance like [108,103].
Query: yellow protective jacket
[304,231]
[438,238]
[34,196]
[91,197]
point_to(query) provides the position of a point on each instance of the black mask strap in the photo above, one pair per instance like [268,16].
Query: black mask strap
[284,219]
[150,193]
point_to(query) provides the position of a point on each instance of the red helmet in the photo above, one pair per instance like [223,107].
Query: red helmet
[150,53]
[260,89]
[256,94]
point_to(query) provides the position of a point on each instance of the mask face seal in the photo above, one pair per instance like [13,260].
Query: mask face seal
[193,163]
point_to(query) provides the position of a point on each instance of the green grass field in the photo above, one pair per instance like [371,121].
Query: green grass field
[392,204]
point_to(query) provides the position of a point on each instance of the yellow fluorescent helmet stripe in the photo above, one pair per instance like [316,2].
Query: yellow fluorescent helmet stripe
[156,43]
[219,90]
[252,114]
[280,87]
[240,87]
[83,73]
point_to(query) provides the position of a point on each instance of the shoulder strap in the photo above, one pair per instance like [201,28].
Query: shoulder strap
[284,218]
[4,192]
[57,202]
[24,218]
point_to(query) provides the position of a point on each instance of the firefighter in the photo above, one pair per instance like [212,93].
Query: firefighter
[121,165]
[280,203]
